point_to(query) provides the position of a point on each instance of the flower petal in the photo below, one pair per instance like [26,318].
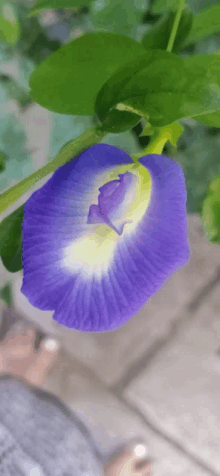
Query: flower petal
[94,279]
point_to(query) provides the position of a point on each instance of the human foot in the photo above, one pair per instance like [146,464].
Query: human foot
[19,357]
[129,463]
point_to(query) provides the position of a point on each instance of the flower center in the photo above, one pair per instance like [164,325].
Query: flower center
[113,201]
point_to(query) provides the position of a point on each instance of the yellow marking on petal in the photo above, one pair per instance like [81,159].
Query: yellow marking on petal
[93,252]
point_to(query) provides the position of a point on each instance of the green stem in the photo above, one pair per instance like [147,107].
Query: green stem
[156,145]
[175,26]
[85,140]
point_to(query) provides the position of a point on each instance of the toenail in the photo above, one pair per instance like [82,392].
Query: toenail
[51,344]
[140,451]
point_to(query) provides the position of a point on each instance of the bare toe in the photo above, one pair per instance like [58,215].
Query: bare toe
[46,356]
[127,464]
[19,342]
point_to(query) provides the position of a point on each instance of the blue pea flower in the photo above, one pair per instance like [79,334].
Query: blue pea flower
[102,236]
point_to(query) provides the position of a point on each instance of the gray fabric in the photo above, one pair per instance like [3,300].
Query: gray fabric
[39,436]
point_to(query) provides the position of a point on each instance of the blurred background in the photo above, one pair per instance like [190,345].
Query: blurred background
[159,375]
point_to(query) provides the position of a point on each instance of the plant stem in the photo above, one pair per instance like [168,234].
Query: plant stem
[175,26]
[90,137]
[156,145]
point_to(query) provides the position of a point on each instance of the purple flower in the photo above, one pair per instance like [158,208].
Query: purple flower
[102,236]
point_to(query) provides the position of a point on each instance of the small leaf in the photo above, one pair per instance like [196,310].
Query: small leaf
[11,240]
[9,25]
[6,294]
[211,211]
[158,36]
[62,83]
[204,24]
[50,4]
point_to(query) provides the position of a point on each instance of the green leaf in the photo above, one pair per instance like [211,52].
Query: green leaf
[11,240]
[161,6]
[211,211]
[50,4]
[6,294]
[62,83]
[162,87]
[120,121]
[204,24]
[204,73]
[139,78]
[212,119]
[158,36]
[9,25]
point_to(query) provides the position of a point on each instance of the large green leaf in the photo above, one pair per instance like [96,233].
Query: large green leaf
[204,24]
[11,240]
[212,119]
[211,211]
[158,36]
[162,87]
[49,4]
[137,79]
[69,80]
[9,24]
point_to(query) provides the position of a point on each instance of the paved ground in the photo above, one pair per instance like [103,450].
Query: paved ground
[158,376]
